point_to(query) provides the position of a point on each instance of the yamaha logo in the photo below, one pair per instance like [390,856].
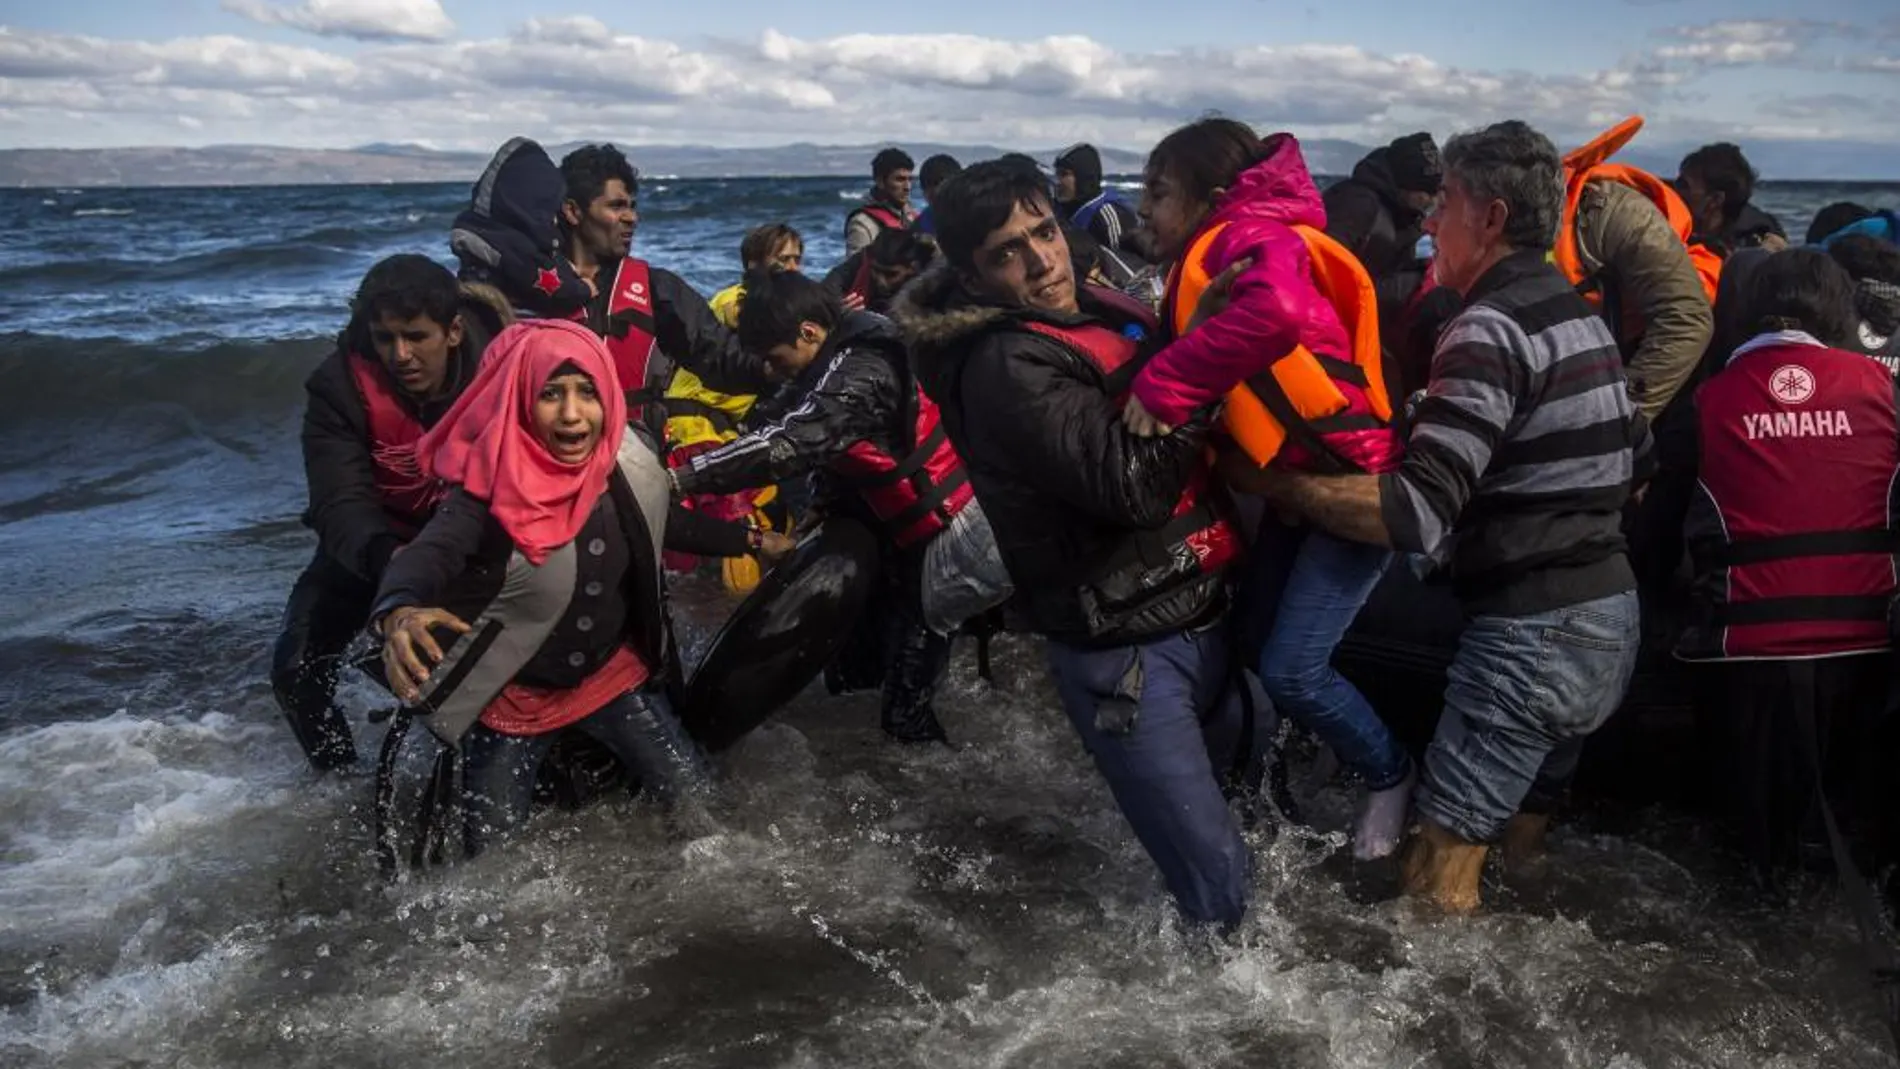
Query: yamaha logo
[1792,384]
[1872,340]
[635,291]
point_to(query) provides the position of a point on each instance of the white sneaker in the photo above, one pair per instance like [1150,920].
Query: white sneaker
[1382,819]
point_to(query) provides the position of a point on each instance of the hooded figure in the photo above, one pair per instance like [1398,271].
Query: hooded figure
[510,236]
[1379,213]
[1086,206]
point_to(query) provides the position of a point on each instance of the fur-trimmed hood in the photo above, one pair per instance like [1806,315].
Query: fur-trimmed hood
[934,311]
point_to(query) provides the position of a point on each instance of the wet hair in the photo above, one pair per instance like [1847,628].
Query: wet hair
[1511,162]
[1803,289]
[1867,257]
[936,171]
[974,204]
[1723,169]
[1206,155]
[407,286]
[889,161]
[777,302]
[898,248]
[588,169]
[1835,218]
[763,242]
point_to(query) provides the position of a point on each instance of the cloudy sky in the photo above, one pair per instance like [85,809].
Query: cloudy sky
[467,73]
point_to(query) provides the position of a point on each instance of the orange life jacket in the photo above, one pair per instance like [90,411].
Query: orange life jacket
[1591,164]
[1303,386]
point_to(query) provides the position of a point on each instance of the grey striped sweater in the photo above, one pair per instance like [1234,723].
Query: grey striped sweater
[1524,450]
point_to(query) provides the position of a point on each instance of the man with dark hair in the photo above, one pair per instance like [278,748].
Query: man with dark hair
[887,206]
[1716,182]
[871,277]
[412,344]
[1874,265]
[931,176]
[650,318]
[1115,546]
[1520,460]
[856,414]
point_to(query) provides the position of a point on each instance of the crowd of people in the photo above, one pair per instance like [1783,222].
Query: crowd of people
[1181,441]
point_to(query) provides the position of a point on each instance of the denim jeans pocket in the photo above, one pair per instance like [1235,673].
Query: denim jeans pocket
[1584,664]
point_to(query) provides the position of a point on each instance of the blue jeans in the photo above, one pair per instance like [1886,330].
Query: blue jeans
[1522,694]
[1162,720]
[1305,587]
[498,771]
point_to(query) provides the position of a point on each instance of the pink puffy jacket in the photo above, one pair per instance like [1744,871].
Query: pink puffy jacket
[1273,307]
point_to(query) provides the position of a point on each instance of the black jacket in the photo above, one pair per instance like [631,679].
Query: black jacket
[1365,214]
[345,509]
[1065,487]
[688,333]
[858,389]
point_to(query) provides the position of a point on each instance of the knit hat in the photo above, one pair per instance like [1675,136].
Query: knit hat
[1416,167]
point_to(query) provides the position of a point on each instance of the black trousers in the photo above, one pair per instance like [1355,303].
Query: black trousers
[1762,775]
[328,606]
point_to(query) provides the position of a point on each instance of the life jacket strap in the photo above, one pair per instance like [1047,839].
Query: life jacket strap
[1800,608]
[1740,552]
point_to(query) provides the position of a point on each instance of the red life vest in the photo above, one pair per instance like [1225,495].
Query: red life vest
[1196,527]
[409,497]
[631,329]
[919,494]
[1793,530]
[882,215]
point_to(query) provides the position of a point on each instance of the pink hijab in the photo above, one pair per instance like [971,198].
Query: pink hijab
[486,441]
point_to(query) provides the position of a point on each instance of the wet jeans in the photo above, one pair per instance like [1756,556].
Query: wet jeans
[1522,694]
[1304,589]
[1161,720]
[498,771]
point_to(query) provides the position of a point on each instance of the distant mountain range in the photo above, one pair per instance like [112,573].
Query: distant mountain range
[240,165]
[246,165]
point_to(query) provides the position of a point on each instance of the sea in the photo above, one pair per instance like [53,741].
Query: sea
[178,889]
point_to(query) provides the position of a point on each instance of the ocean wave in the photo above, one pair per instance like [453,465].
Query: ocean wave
[81,213]
[48,377]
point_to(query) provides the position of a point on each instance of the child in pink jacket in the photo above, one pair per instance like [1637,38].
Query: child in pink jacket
[1304,585]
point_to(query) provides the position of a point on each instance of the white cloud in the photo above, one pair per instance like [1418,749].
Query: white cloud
[364,20]
[577,77]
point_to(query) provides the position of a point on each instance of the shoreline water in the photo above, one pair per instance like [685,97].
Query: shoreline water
[176,889]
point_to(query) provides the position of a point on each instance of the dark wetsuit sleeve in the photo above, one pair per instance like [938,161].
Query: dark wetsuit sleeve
[692,532]
[693,337]
[422,573]
[853,398]
[345,509]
